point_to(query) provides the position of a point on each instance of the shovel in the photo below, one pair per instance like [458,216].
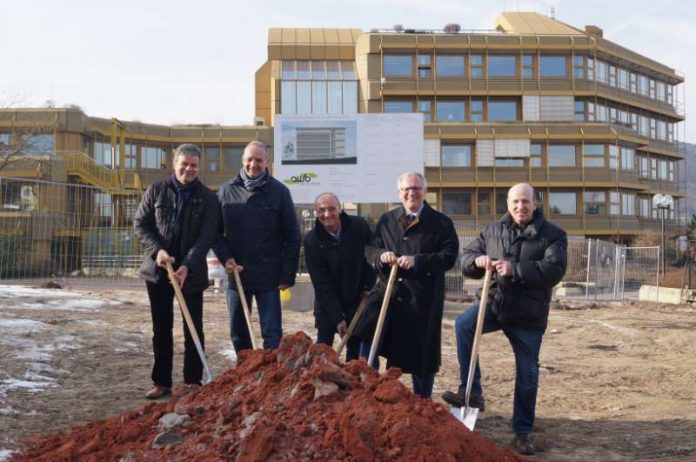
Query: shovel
[356,317]
[245,306]
[383,313]
[468,415]
[189,323]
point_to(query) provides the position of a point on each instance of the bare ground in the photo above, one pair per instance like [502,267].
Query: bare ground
[617,380]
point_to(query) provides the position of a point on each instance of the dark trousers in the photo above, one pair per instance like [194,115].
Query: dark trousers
[161,297]
[422,383]
[270,318]
[326,333]
[526,344]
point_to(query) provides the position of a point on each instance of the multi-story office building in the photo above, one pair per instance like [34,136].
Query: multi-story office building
[593,126]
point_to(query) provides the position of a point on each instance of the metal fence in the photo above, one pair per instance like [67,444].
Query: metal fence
[84,235]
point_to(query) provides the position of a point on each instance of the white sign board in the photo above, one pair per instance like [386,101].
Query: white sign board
[357,157]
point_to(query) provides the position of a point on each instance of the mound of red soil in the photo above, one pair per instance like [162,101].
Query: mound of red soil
[293,403]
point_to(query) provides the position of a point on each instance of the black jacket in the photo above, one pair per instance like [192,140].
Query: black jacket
[539,258]
[259,230]
[339,271]
[411,336]
[189,242]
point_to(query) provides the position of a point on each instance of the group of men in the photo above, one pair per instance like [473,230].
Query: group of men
[252,227]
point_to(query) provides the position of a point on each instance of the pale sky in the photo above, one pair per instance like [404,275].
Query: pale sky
[178,61]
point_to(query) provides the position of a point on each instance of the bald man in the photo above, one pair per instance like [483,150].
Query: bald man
[334,253]
[528,257]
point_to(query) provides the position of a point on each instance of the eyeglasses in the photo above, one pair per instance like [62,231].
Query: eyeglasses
[412,188]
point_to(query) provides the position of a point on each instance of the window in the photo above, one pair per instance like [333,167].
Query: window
[448,111]
[552,66]
[501,203]
[151,157]
[590,68]
[527,66]
[561,155]
[644,207]
[318,87]
[476,111]
[36,145]
[578,67]
[632,79]
[662,169]
[212,159]
[456,155]
[398,66]
[484,202]
[350,97]
[131,156]
[476,66]
[456,203]
[614,203]
[612,76]
[288,100]
[593,155]
[502,111]
[304,97]
[628,204]
[579,107]
[102,153]
[562,203]
[535,151]
[595,202]
[643,166]
[509,162]
[232,158]
[502,66]
[613,156]
[398,106]
[426,108]
[424,64]
[623,79]
[628,159]
[449,65]
[319,95]
[602,72]
[11,195]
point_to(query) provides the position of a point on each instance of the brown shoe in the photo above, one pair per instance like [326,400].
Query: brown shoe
[458,399]
[522,444]
[158,391]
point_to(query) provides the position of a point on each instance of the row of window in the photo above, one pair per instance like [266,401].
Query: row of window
[318,70]
[559,203]
[29,144]
[318,97]
[563,155]
[588,111]
[527,66]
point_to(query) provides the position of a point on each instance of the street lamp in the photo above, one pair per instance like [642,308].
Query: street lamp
[663,203]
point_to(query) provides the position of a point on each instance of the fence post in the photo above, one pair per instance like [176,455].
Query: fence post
[657,278]
[587,276]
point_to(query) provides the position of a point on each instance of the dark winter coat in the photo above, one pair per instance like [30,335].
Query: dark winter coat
[340,274]
[188,241]
[260,231]
[539,258]
[411,336]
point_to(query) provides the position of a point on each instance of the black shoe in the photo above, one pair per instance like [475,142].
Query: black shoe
[522,444]
[158,391]
[459,400]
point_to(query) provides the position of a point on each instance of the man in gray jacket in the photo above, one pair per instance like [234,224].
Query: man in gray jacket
[528,255]
[261,238]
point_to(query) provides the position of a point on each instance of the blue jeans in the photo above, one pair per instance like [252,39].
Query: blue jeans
[268,303]
[525,343]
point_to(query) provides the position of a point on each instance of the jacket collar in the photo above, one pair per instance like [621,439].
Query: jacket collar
[532,228]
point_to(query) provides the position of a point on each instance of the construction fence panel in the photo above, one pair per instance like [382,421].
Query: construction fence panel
[639,266]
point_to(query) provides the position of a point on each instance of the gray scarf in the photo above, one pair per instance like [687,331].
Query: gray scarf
[251,184]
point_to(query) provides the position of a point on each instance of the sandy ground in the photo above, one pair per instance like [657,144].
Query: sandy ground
[617,380]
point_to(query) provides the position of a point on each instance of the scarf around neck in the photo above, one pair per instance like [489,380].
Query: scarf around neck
[250,183]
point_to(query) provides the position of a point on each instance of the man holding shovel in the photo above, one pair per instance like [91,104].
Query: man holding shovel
[261,241]
[334,253]
[177,223]
[528,255]
[424,245]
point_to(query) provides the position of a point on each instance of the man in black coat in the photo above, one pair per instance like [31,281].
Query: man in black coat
[177,223]
[528,255]
[335,257]
[261,238]
[424,244]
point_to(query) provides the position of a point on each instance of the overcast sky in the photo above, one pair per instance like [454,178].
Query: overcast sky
[177,61]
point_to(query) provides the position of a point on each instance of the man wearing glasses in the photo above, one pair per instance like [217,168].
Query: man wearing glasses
[424,245]
[334,253]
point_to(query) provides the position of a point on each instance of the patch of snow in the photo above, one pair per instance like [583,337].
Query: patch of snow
[5,454]
[27,385]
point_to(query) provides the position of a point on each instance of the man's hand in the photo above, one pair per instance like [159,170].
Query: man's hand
[342,329]
[388,258]
[406,262]
[180,275]
[503,268]
[231,265]
[483,261]
[162,258]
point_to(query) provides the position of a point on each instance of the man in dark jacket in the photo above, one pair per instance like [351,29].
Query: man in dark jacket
[528,255]
[424,244]
[335,257]
[177,223]
[261,238]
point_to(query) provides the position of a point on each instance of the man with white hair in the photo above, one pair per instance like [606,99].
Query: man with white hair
[528,257]
[424,245]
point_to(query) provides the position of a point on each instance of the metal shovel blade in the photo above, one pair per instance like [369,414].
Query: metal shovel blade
[466,415]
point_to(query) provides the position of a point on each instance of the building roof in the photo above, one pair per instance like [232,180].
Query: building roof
[312,36]
[533,24]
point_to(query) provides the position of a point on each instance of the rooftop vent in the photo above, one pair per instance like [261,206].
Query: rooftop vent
[452,28]
[398,27]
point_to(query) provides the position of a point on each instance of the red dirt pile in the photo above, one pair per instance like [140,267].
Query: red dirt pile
[294,403]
